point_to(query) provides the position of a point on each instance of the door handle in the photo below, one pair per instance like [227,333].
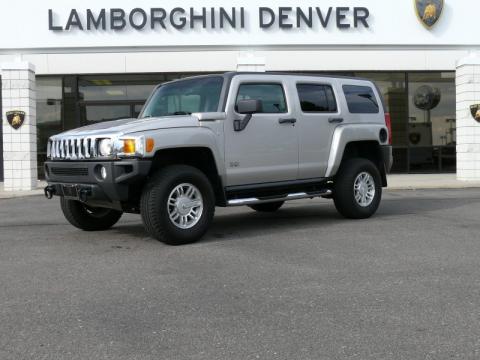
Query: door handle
[335,120]
[287,121]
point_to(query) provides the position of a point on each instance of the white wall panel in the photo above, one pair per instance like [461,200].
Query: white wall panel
[188,61]
[275,60]
[391,23]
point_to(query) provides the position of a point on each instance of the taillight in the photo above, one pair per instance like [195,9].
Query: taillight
[388,124]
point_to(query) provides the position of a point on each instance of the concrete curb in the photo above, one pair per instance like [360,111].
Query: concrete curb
[429,181]
[17,194]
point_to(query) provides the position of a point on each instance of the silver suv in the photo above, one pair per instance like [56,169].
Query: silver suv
[255,139]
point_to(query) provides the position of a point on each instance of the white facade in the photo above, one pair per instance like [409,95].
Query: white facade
[394,40]
[19,146]
[390,37]
[468,130]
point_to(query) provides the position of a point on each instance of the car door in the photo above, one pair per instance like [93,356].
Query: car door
[266,150]
[318,116]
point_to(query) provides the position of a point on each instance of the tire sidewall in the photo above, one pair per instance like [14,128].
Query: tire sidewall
[76,214]
[370,209]
[345,196]
[174,234]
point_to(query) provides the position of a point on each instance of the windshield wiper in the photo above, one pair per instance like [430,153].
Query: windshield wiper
[180,113]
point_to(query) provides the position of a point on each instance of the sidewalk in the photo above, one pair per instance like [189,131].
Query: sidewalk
[395,182]
[428,181]
[14,194]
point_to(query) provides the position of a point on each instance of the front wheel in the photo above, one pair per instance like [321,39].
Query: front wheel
[357,189]
[177,205]
[89,218]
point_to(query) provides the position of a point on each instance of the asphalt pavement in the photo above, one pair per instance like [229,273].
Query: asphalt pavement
[302,283]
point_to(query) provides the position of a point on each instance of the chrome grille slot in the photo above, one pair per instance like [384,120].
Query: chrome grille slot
[67,149]
[72,148]
[85,148]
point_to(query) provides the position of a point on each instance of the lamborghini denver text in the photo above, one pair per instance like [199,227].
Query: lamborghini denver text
[179,18]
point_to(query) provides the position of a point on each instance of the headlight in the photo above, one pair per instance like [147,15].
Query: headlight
[125,147]
[105,147]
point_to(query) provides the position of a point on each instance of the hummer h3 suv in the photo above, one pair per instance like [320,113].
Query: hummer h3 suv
[255,139]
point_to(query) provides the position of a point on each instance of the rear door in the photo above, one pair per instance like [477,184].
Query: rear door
[318,116]
[266,151]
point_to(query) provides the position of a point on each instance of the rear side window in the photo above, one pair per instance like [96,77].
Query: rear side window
[272,96]
[361,99]
[316,98]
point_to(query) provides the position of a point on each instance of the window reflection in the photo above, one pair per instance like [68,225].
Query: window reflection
[115,87]
[432,109]
[121,87]
[49,114]
[97,113]
[431,121]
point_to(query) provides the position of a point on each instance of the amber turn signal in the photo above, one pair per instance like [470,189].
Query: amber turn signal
[149,144]
[129,146]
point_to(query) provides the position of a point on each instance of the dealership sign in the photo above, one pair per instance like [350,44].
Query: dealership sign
[152,24]
[180,18]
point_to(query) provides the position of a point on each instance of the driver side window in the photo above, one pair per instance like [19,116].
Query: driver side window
[272,96]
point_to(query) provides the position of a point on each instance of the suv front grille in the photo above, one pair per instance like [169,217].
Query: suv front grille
[70,171]
[72,148]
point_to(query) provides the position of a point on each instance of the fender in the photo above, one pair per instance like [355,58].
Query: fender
[345,134]
[186,137]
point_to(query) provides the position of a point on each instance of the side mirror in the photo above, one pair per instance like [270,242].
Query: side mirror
[247,107]
[250,106]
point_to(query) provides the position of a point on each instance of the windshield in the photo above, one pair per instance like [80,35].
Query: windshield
[185,97]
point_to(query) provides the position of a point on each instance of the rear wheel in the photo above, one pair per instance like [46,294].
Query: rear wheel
[177,205]
[357,189]
[89,218]
[268,207]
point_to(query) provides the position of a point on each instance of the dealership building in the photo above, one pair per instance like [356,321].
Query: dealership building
[68,64]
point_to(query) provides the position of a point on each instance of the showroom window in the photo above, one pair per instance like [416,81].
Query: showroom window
[49,114]
[431,122]
[421,105]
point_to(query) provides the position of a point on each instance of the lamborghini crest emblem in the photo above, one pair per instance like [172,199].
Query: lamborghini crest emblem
[15,118]
[475,109]
[429,11]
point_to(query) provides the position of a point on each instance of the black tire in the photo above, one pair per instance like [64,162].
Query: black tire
[89,218]
[343,189]
[154,204]
[268,207]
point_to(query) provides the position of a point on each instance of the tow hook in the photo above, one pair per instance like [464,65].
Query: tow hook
[49,191]
[83,194]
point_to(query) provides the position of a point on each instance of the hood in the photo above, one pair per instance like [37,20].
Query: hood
[126,126]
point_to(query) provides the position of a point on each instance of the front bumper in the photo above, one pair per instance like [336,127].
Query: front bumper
[82,180]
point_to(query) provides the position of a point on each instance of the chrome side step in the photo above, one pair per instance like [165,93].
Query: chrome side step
[294,196]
